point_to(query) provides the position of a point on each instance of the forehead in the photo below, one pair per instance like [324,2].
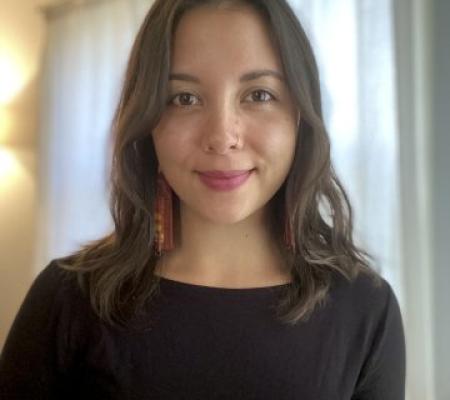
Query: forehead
[223,39]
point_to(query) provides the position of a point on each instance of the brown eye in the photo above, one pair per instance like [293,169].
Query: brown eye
[184,99]
[261,96]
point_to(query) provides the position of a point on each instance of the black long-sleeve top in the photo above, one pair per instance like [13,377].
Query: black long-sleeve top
[206,343]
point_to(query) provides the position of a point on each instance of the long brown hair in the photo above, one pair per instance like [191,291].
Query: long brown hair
[117,270]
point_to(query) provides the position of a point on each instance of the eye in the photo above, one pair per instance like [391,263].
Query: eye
[260,96]
[184,99]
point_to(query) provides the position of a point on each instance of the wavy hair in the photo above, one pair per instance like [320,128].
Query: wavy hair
[117,271]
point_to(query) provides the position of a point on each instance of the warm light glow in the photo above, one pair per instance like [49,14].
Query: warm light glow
[12,76]
[9,166]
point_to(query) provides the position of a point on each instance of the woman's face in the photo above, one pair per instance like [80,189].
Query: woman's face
[229,109]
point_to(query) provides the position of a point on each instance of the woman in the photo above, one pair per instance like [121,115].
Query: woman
[231,272]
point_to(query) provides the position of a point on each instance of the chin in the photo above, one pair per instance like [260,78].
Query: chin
[221,211]
[228,219]
[229,216]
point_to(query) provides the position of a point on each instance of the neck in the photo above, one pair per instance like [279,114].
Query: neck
[238,255]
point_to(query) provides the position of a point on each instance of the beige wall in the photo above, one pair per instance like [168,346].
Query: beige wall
[22,35]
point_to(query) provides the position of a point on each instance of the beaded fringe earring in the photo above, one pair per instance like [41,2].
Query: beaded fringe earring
[163,216]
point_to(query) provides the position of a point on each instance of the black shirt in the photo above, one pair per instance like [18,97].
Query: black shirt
[206,343]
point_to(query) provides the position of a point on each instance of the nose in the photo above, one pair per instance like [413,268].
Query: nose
[222,131]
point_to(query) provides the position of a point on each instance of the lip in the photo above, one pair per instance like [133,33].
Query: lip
[224,180]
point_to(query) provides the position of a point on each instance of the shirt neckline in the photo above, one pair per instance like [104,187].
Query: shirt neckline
[218,289]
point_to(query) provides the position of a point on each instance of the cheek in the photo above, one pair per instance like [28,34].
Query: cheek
[275,137]
[173,142]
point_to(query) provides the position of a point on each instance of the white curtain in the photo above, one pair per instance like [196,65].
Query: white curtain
[354,44]
[87,48]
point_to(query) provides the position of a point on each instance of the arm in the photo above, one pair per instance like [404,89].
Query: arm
[30,360]
[383,374]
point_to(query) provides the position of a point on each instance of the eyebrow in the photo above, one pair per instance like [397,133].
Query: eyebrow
[249,76]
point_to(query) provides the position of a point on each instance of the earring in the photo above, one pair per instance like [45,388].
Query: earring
[163,216]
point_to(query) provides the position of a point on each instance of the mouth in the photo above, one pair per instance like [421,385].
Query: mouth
[225,180]
[225,174]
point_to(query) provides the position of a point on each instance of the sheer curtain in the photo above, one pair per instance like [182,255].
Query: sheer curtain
[87,48]
[353,41]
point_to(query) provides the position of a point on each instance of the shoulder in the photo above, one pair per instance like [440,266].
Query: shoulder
[51,276]
[367,310]
[363,307]
[366,292]
[56,282]
[46,333]
[367,314]
[54,295]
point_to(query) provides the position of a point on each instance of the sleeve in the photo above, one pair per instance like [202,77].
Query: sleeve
[30,363]
[383,374]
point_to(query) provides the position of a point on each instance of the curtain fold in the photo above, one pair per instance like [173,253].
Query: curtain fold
[87,48]
[354,44]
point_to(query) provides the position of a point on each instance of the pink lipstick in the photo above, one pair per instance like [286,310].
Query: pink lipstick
[224,180]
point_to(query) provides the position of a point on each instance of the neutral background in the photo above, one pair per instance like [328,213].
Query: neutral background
[424,106]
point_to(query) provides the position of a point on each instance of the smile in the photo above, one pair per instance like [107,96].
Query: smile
[224,180]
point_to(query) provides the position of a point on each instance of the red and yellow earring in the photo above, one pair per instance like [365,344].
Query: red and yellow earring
[163,216]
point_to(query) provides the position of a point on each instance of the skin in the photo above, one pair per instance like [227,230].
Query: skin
[225,241]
